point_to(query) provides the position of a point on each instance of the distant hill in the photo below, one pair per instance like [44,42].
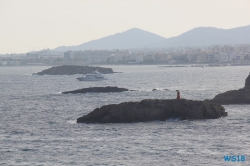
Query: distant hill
[137,38]
[205,36]
[133,38]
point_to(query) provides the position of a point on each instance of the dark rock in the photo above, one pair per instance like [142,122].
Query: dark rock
[247,82]
[98,90]
[241,96]
[150,110]
[72,69]
[160,90]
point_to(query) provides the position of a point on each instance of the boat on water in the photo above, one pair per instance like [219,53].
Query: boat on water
[96,76]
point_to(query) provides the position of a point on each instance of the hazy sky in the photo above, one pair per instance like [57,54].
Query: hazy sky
[27,25]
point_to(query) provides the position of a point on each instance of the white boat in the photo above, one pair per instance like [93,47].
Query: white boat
[96,76]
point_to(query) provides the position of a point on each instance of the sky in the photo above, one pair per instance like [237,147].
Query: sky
[29,25]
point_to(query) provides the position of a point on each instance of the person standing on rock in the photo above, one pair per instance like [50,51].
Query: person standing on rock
[178,94]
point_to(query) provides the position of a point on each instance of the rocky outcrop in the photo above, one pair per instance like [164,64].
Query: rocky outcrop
[157,89]
[72,69]
[247,82]
[241,96]
[98,90]
[150,110]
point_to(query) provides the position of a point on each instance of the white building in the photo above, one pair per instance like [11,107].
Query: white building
[95,56]
[223,57]
[68,57]
[139,58]
[3,63]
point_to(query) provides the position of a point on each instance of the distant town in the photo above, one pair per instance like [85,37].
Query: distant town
[219,55]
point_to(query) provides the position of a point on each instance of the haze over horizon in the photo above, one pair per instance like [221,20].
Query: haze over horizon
[34,25]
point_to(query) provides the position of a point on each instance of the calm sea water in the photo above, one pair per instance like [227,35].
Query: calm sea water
[38,123]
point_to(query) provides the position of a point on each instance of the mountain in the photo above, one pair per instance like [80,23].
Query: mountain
[205,36]
[137,38]
[133,38]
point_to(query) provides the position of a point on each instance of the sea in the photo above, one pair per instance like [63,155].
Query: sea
[38,123]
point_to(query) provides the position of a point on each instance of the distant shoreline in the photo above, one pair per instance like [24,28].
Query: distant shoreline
[144,64]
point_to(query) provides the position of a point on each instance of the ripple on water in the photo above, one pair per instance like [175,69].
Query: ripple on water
[38,123]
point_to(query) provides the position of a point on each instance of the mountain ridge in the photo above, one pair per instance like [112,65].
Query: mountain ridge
[202,36]
[138,38]
[123,40]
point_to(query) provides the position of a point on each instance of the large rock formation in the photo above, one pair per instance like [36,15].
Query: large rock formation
[72,69]
[150,110]
[241,96]
[98,90]
[247,82]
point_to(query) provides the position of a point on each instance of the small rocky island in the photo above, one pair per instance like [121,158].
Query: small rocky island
[154,109]
[106,89]
[241,96]
[73,69]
